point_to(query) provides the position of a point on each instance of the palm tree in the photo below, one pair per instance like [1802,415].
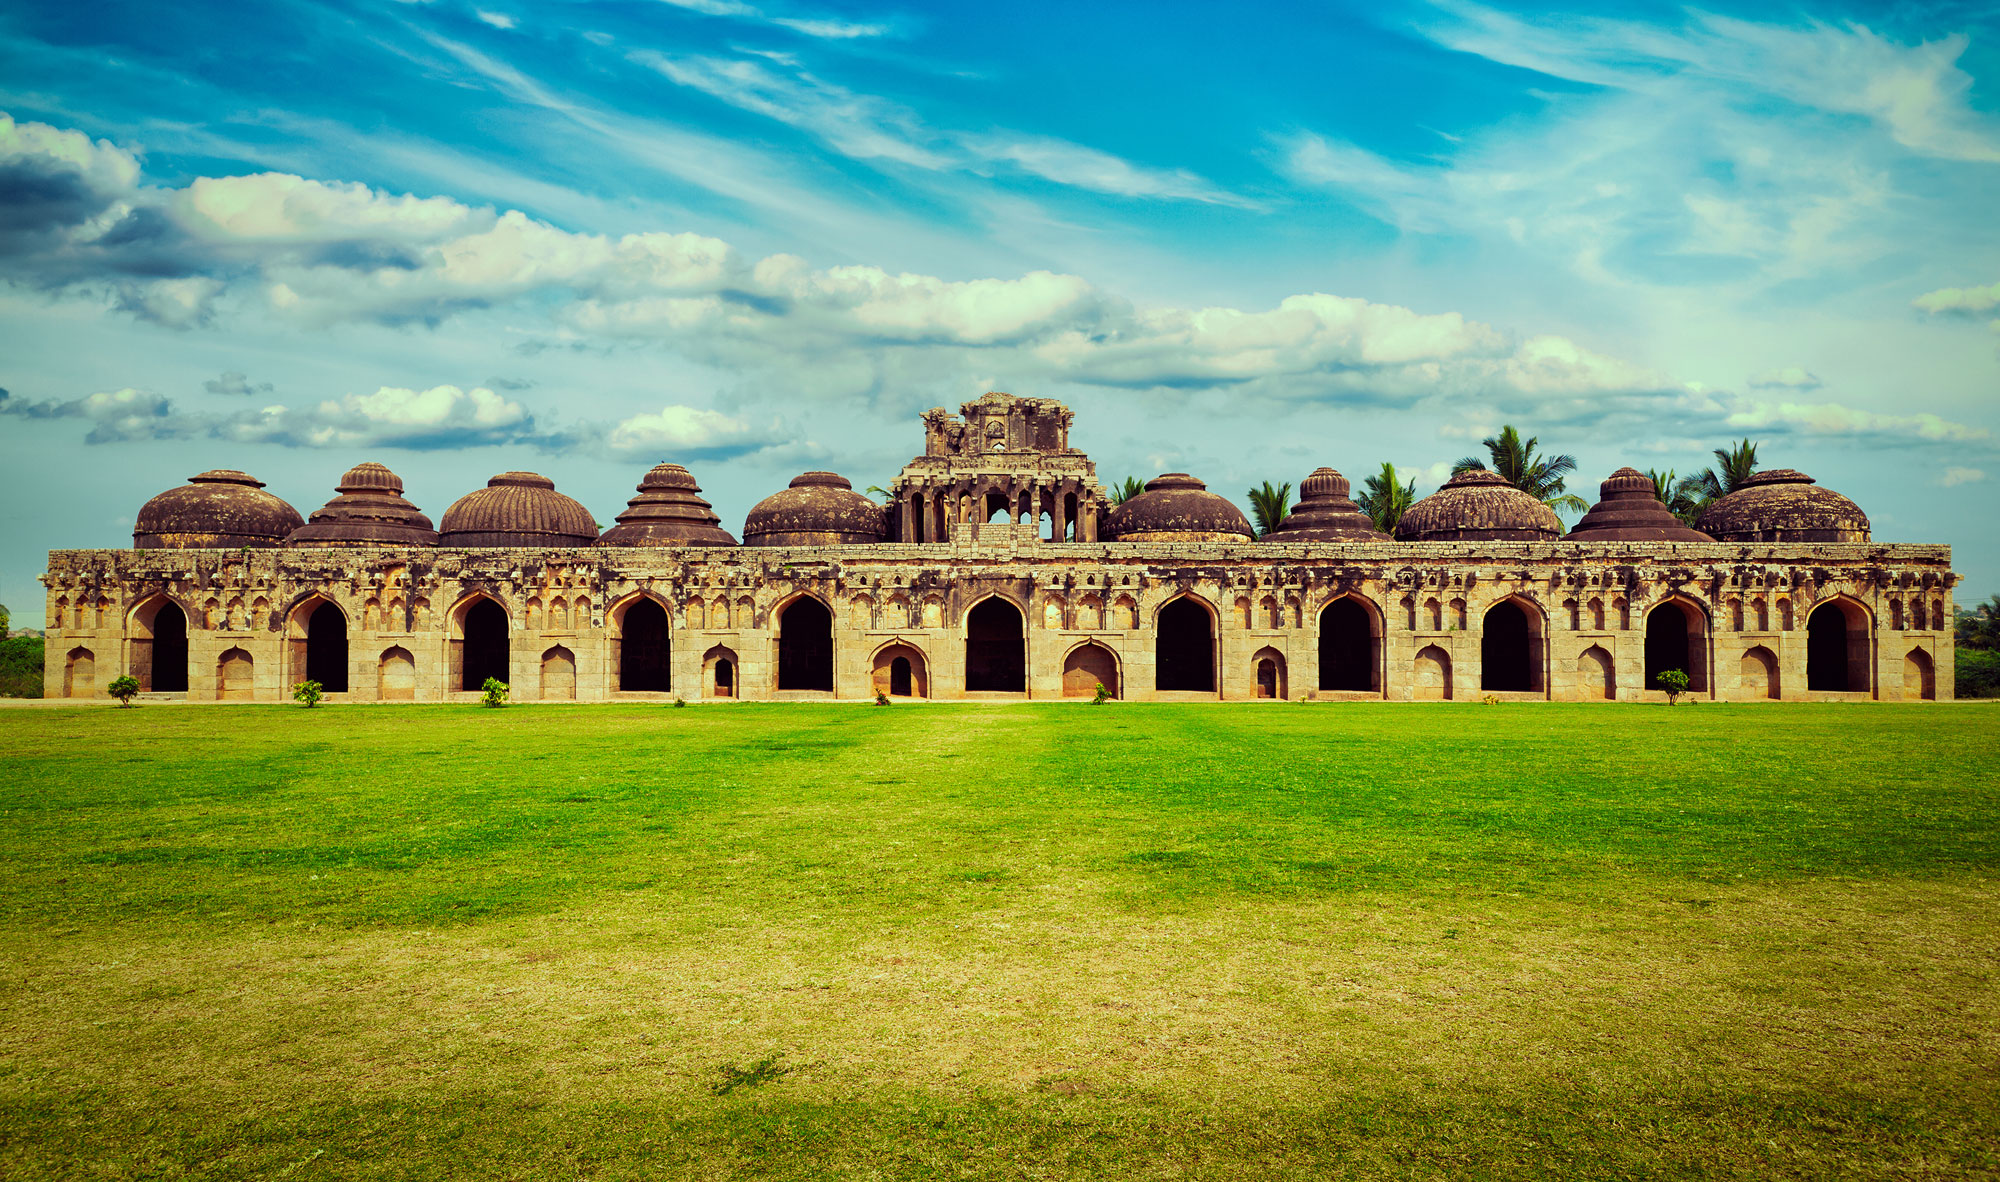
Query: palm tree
[1672,492]
[1385,498]
[1515,461]
[1733,467]
[876,490]
[1121,493]
[1269,505]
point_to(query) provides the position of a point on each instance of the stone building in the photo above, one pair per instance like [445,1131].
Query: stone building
[998,570]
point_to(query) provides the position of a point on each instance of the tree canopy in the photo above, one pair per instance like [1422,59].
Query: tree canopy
[1515,461]
[1269,505]
[1385,497]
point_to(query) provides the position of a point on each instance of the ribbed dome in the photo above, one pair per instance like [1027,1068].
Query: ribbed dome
[516,509]
[1783,505]
[1479,506]
[219,509]
[819,509]
[1629,510]
[1177,508]
[668,511]
[1325,514]
[370,511]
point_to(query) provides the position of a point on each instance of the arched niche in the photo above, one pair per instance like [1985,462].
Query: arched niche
[1088,666]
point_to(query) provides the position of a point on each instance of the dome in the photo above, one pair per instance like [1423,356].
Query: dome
[1325,514]
[668,511]
[219,509]
[819,509]
[516,509]
[1177,508]
[1628,509]
[1783,505]
[1479,506]
[369,511]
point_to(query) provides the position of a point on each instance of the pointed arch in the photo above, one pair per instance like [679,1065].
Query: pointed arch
[805,643]
[1758,674]
[1430,675]
[79,673]
[641,626]
[1919,676]
[1677,637]
[1087,666]
[1184,637]
[158,626]
[1267,672]
[316,642]
[898,670]
[235,676]
[396,675]
[1350,644]
[996,645]
[480,640]
[1839,644]
[559,673]
[1513,633]
[1596,676]
[721,673]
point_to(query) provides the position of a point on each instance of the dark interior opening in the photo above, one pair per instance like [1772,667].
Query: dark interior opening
[1505,651]
[1346,661]
[1186,648]
[1826,649]
[1666,642]
[485,645]
[995,652]
[899,677]
[326,648]
[805,646]
[645,652]
[725,678]
[170,650]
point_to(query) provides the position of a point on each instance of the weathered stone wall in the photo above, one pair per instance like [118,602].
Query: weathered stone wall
[1426,607]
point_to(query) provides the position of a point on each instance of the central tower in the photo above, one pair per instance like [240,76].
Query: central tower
[1000,454]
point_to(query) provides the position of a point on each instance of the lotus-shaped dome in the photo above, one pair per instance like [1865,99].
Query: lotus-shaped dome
[1784,505]
[1629,510]
[369,511]
[819,509]
[1177,508]
[668,511]
[219,509]
[1325,514]
[516,509]
[1479,506]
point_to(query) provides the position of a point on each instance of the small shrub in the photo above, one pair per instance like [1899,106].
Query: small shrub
[308,692]
[124,689]
[680,703]
[1491,700]
[881,699]
[758,1074]
[1675,682]
[1101,696]
[493,692]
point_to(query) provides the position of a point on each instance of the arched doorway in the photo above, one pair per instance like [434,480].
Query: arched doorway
[1507,649]
[645,652]
[899,671]
[1837,648]
[1085,668]
[1346,646]
[1185,648]
[1676,638]
[805,645]
[235,676]
[1919,676]
[483,653]
[79,674]
[719,671]
[559,675]
[996,659]
[396,675]
[1595,677]
[326,647]
[160,647]
[1267,666]
[1759,673]
[725,678]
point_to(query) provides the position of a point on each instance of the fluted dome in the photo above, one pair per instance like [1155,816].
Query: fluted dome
[1325,514]
[1177,508]
[219,509]
[819,509]
[1784,505]
[516,509]
[369,511]
[1628,509]
[1479,506]
[668,511]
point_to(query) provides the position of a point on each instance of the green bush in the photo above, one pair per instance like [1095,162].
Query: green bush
[493,692]
[1101,696]
[21,667]
[1675,682]
[1978,673]
[308,692]
[124,689]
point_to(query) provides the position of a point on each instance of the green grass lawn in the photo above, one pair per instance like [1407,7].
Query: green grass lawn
[1044,941]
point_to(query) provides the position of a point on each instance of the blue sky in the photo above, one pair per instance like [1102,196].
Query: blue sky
[758,237]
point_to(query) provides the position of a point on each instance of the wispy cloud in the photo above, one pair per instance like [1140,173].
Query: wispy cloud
[819,27]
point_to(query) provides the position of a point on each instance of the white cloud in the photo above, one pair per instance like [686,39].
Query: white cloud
[1792,377]
[498,20]
[824,28]
[1969,301]
[676,431]
[1953,477]
[234,384]
[1829,418]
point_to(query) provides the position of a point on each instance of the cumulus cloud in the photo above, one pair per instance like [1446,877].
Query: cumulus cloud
[1962,301]
[498,20]
[676,431]
[1830,418]
[1792,377]
[115,416]
[235,385]
[1953,477]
